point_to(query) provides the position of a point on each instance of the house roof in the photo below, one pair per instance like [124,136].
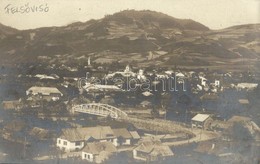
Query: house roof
[147,93]
[145,103]
[247,85]
[243,101]
[162,150]
[89,86]
[98,147]
[208,96]
[39,132]
[122,132]
[79,134]
[44,90]
[239,119]
[220,124]
[200,117]
[154,148]
[147,146]
[180,75]
[15,125]
[134,134]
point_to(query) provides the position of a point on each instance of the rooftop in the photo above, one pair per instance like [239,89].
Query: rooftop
[44,90]
[89,86]
[200,117]
[155,148]
[247,85]
[134,134]
[122,132]
[243,101]
[239,119]
[98,147]
[79,134]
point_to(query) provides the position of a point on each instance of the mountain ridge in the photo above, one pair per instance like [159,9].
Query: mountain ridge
[134,36]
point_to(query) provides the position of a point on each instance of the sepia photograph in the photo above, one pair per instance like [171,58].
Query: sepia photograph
[129,81]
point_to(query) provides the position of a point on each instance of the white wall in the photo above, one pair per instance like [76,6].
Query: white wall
[127,142]
[134,153]
[87,156]
[70,146]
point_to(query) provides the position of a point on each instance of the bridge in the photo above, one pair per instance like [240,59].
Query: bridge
[98,109]
[167,126]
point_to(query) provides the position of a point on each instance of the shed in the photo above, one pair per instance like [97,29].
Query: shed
[199,120]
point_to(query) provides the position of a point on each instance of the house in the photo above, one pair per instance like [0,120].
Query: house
[203,81]
[242,119]
[123,136]
[136,137]
[164,137]
[47,93]
[209,97]
[14,104]
[218,125]
[217,83]
[180,75]
[140,75]
[100,87]
[246,86]
[169,72]
[162,76]
[40,133]
[199,87]
[147,94]
[98,152]
[145,103]
[74,139]
[243,101]
[199,120]
[151,151]
[43,76]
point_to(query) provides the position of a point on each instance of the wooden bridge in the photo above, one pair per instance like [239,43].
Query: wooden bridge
[98,109]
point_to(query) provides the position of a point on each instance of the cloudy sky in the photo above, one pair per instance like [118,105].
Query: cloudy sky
[215,14]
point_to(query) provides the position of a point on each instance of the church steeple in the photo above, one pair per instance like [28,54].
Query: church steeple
[127,68]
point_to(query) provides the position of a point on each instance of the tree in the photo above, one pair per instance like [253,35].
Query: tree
[240,133]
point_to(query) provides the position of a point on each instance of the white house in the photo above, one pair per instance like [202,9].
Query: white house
[48,93]
[162,76]
[180,75]
[123,136]
[140,75]
[199,87]
[98,152]
[100,87]
[203,81]
[74,139]
[169,72]
[246,86]
[217,83]
[199,120]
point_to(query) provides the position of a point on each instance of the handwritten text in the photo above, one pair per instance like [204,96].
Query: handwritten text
[26,8]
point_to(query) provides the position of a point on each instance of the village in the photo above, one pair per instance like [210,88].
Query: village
[94,113]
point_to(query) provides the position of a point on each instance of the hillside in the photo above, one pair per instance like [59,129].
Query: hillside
[143,37]
[5,30]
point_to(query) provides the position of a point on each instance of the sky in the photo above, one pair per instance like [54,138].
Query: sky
[215,14]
